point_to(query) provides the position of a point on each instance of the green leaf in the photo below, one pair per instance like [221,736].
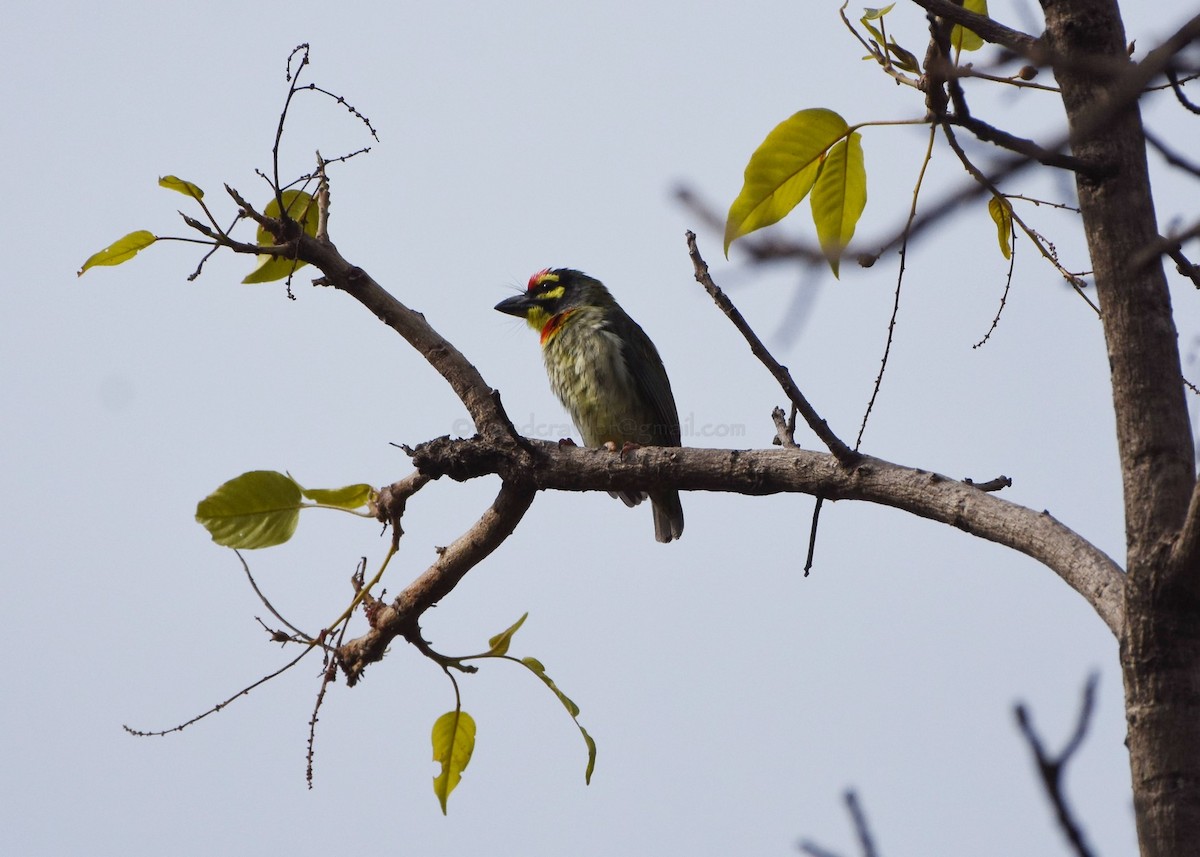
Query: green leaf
[839,197]
[782,170]
[349,497]
[498,645]
[121,251]
[963,39]
[300,207]
[536,667]
[184,187]
[1001,212]
[905,60]
[872,14]
[255,510]
[453,744]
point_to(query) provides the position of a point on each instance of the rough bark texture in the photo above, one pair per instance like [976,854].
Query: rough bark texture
[1160,647]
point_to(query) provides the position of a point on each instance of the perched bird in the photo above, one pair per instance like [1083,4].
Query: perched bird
[606,371]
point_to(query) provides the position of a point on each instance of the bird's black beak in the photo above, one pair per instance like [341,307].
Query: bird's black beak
[516,305]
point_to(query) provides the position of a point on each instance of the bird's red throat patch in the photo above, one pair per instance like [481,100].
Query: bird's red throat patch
[552,326]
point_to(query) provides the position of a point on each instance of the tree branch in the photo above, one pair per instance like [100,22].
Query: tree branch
[1051,768]
[547,466]
[399,619]
[844,454]
[481,401]
[986,28]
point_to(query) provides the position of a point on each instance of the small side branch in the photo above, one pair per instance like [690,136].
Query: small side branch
[1051,767]
[399,619]
[1028,148]
[392,500]
[866,842]
[844,454]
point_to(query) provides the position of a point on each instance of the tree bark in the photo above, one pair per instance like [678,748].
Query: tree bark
[1160,646]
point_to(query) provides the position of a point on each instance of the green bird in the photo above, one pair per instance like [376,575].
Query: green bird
[607,373]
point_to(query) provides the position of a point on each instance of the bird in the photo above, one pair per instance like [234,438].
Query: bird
[607,373]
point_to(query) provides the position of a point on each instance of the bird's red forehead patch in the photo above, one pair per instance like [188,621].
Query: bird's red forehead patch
[541,277]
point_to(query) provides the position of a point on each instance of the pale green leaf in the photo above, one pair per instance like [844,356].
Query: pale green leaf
[453,744]
[539,670]
[872,14]
[272,268]
[255,510]
[348,497]
[498,645]
[839,197]
[591,745]
[963,39]
[782,170]
[302,208]
[1001,212]
[184,187]
[120,251]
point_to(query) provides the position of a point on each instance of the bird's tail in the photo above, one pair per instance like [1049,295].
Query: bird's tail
[668,515]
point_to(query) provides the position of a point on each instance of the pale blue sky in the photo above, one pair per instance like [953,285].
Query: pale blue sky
[732,699]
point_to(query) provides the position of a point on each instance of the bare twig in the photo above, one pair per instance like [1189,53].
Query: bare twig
[220,705]
[1177,88]
[997,484]
[1051,768]
[1170,155]
[1012,262]
[785,430]
[862,831]
[846,456]
[1170,245]
[246,567]
[812,535]
[891,331]
[865,840]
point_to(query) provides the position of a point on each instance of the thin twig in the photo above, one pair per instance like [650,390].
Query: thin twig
[891,331]
[246,567]
[785,430]
[220,705]
[1177,88]
[1012,263]
[860,824]
[1051,768]
[812,535]
[1000,482]
[845,456]
[1170,155]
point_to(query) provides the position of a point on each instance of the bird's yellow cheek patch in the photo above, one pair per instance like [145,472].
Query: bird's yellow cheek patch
[537,318]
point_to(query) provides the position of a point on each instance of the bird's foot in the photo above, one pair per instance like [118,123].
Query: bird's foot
[566,441]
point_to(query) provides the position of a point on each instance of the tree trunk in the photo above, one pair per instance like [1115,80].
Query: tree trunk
[1160,644]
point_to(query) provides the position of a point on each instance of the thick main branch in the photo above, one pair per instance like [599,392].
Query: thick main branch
[1085,568]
